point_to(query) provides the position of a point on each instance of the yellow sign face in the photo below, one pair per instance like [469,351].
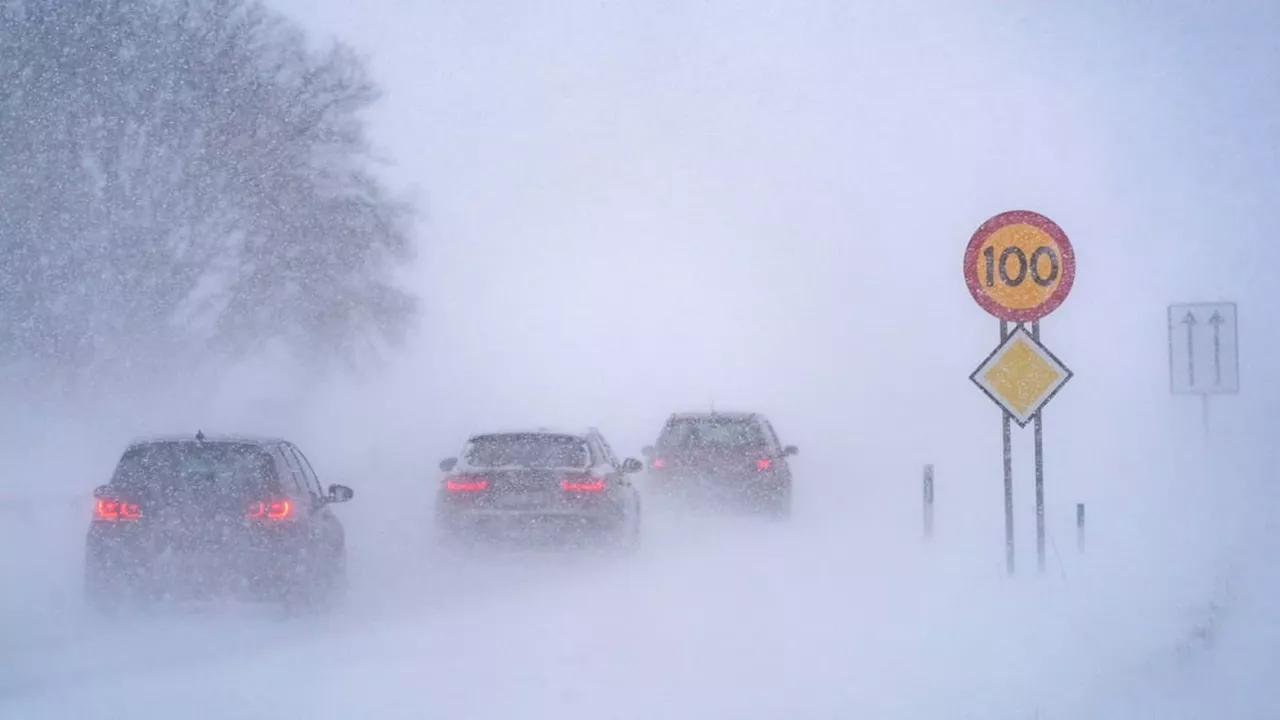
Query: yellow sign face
[1021,376]
[1019,266]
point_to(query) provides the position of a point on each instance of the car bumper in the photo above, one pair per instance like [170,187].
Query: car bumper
[529,525]
[717,482]
[712,490]
[246,570]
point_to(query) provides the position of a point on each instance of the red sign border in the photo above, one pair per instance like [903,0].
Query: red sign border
[1040,222]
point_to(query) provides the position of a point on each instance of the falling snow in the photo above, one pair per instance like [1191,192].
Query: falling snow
[284,283]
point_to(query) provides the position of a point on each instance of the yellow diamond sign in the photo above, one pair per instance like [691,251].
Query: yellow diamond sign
[1021,376]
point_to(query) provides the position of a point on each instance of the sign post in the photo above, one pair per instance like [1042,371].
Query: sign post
[1019,266]
[928,502]
[1204,356]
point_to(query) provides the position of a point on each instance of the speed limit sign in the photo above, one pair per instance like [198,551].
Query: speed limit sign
[1019,266]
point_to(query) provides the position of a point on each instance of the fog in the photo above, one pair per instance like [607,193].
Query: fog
[628,210]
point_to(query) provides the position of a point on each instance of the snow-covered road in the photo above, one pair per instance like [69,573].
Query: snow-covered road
[835,614]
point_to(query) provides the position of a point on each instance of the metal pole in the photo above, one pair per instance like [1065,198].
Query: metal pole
[1039,433]
[1080,527]
[1204,416]
[928,502]
[1007,437]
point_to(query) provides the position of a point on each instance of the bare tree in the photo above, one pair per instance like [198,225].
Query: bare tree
[185,181]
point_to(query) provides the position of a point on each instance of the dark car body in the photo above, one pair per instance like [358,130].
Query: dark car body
[558,487]
[732,457]
[203,518]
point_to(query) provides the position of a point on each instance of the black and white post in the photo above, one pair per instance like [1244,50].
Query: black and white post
[1080,527]
[928,502]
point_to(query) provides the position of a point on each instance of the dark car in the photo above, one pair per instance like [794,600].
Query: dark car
[539,486]
[204,517]
[722,456]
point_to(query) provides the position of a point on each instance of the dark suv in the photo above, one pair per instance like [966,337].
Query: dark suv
[197,518]
[722,456]
[539,486]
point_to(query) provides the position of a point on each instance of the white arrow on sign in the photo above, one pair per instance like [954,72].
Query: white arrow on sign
[1203,351]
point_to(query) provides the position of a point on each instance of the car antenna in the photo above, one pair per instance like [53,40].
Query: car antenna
[199,436]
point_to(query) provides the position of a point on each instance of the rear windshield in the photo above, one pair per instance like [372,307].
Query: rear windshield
[711,431]
[528,450]
[224,466]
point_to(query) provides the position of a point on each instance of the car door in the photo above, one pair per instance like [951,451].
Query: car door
[291,480]
[332,525]
[776,454]
[309,477]
[324,524]
[616,475]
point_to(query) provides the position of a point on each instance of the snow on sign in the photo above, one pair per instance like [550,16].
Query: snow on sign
[1019,266]
[1021,376]
[1203,356]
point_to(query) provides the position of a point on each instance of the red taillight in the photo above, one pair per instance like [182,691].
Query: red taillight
[583,484]
[659,463]
[110,509]
[466,483]
[269,509]
[763,464]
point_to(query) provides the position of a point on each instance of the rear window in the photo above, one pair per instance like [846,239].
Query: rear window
[228,467]
[528,450]
[711,431]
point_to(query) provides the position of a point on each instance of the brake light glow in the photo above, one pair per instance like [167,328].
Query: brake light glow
[583,484]
[763,464]
[466,483]
[659,463]
[110,510]
[269,509]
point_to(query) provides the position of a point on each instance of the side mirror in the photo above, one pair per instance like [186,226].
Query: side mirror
[102,491]
[448,464]
[340,493]
[790,450]
[647,451]
[631,465]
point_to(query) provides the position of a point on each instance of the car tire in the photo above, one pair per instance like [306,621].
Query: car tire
[629,541]
[319,590]
[103,594]
[446,540]
[461,545]
[780,504]
[335,592]
[112,588]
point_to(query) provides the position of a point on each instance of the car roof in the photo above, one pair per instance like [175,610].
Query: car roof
[705,414]
[263,441]
[579,434]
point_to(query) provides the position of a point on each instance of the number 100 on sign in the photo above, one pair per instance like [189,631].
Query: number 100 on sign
[1019,266]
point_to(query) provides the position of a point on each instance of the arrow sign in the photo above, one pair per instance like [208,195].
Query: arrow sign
[1203,336]
[1190,322]
[1216,321]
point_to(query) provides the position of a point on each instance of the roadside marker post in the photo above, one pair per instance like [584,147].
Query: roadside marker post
[1080,527]
[1020,266]
[928,502]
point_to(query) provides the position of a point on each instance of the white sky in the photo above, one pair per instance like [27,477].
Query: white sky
[629,209]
